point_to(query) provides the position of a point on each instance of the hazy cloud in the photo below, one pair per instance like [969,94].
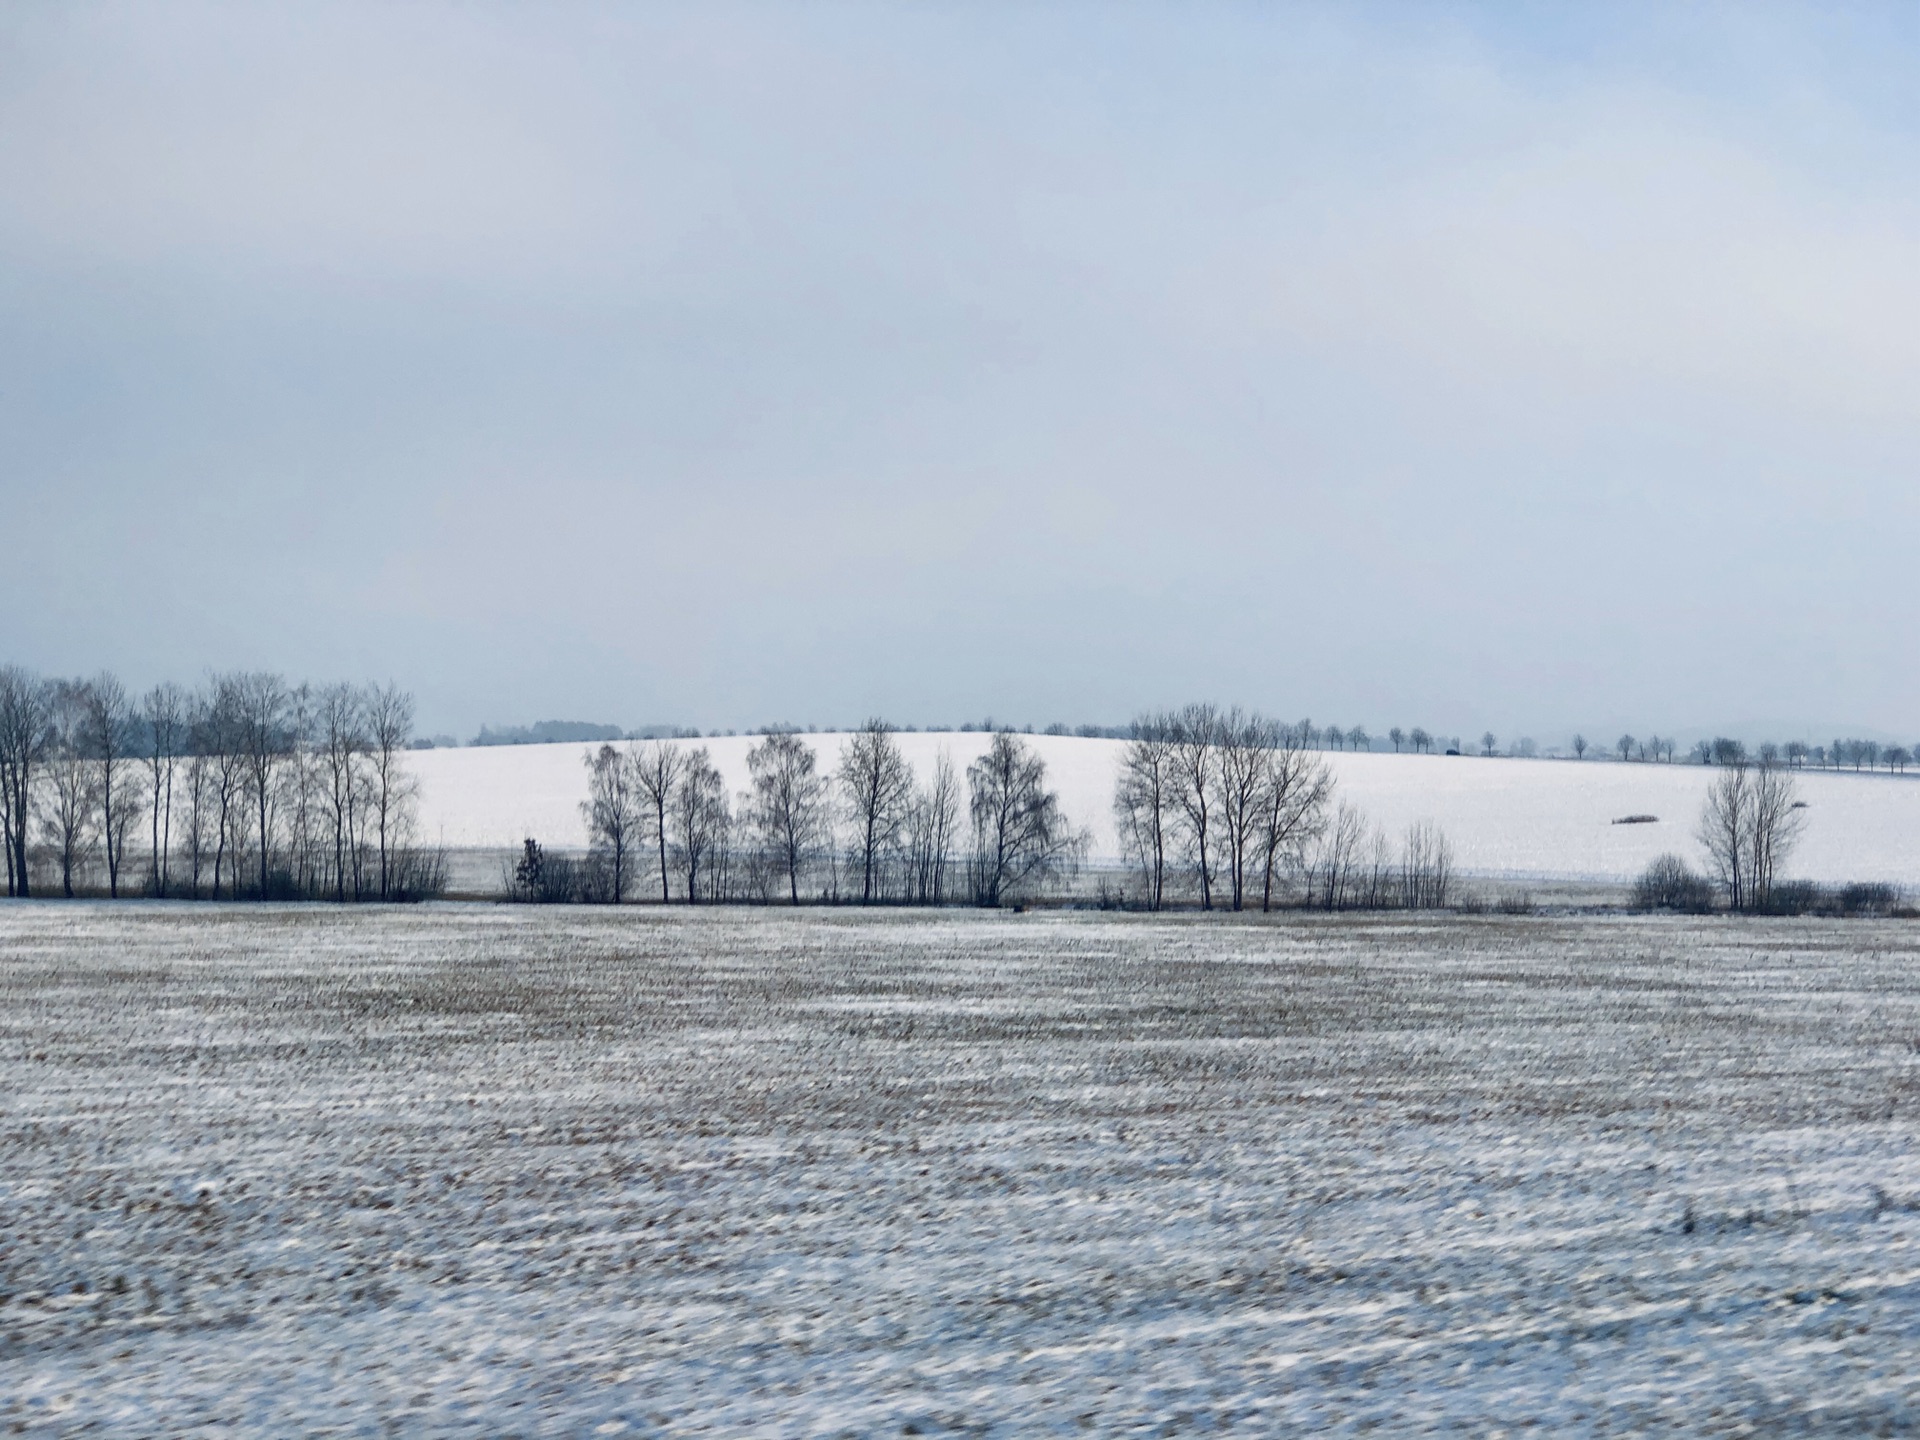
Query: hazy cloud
[714,364]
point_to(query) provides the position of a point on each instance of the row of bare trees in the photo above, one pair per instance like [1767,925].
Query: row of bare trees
[1227,799]
[869,831]
[1229,808]
[246,786]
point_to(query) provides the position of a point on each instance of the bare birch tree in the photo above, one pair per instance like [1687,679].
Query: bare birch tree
[389,711]
[1726,825]
[26,737]
[1775,828]
[614,816]
[787,805]
[260,702]
[1337,865]
[342,748]
[1426,867]
[932,819]
[163,722]
[70,798]
[700,819]
[106,726]
[1293,801]
[225,749]
[1021,840]
[1244,746]
[1144,803]
[877,785]
[657,769]
[1195,761]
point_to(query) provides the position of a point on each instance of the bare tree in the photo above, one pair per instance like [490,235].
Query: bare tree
[1336,865]
[1359,739]
[932,820]
[303,789]
[70,799]
[1625,746]
[222,743]
[1398,737]
[1293,802]
[877,784]
[613,814]
[1144,802]
[106,725]
[1487,743]
[700,820]
[197,788]
[1749,825]
[1020,837]
[1336,737]
[1419,739]
[1776,827]
[26,737]
[389,712]
[787,805]
[1195,734]
[657,769]
[163,724]
[1579,747]
[1726,822]
[342,723]
[1426,867]
[260,702]
[1241,778]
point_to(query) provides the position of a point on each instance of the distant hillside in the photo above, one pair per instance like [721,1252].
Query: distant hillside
[547,732]
[1506,817]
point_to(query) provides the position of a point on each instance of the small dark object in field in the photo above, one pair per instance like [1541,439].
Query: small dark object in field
[1638,820]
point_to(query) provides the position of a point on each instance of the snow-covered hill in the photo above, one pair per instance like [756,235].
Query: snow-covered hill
[1522,818]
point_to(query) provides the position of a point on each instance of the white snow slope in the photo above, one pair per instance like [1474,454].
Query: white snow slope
[1519,818]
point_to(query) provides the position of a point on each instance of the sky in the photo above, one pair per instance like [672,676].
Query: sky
[1522,367]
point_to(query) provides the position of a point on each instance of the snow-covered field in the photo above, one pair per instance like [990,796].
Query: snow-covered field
[502,1171]
[1519,818]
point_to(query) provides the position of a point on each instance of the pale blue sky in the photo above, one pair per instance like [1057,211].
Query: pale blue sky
[1524,367]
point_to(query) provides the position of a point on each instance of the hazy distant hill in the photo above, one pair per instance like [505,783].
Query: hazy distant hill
[547,732]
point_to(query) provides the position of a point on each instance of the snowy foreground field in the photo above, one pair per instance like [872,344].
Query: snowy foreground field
[1517,819]
[494,1171]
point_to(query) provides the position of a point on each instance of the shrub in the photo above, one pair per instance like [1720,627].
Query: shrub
[1669,883]
[418,874]
[1867,898]
[1794,897]
[543,879]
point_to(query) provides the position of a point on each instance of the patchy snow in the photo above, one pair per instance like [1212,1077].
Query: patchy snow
[484,1170]
[1521,818]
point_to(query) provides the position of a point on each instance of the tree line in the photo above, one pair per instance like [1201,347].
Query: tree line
[1229,808]
[867,831]
[247,786]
